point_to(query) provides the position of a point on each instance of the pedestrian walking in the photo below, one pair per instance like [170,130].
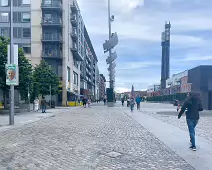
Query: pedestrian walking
[128,102]
[36,102]
[79,101]
[122,101]
[132,103]
[43,105]
[84,102]
[104,101]
[193,105]
[138,102]
[89,102]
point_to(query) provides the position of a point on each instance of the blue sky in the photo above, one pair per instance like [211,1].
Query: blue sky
[139,24]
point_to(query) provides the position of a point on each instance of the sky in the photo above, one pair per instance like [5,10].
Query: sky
[139,24]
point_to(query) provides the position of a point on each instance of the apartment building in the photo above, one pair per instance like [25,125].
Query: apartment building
[88,69]
[102,87]
[97,83]
[52,30]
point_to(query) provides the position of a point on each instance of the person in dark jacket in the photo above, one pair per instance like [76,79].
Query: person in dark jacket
[193,105]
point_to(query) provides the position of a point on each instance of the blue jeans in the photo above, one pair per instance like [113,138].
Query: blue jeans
[132,107]
[191,127]
[43,109]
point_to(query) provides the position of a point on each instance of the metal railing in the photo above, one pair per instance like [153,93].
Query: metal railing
[52,37]
[51,21]
[74,31]
[51,54]
[73,18]
[51,4]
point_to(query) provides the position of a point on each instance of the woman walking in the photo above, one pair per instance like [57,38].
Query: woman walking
[132,104]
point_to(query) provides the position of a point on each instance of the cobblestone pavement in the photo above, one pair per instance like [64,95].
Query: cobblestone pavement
[97,138]
[203,128]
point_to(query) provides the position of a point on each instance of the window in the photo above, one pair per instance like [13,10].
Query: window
[69,74]
[17,17]
[47,18]
[4,17]
[60,71]
[26,2]
[4,32]
[17,32]
[76,63]
[17,2]
[26,17]
[26,33]
[75,76]
[4,3]
[27,48]
[47,2]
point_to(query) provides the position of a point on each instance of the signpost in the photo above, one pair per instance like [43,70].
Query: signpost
[108,46]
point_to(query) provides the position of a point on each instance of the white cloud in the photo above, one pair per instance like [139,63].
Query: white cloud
[121,90]
[198,58]
[139,30]
[136,65]
[126,6]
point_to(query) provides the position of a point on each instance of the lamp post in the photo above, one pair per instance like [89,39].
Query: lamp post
[12,90]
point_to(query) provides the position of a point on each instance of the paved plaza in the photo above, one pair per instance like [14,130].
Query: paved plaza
[96,138]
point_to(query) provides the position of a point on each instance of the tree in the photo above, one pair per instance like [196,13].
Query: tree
[44,78]
[25,71]
[3,60]
[25,76]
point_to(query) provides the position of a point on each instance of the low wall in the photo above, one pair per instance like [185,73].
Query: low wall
[73,104]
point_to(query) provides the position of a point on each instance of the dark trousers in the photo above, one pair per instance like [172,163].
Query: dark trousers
[191,127]
[138,106]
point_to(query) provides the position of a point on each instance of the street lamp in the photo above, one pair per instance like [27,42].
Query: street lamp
[12,90]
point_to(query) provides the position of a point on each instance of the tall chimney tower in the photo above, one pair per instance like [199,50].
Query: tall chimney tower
[165,65]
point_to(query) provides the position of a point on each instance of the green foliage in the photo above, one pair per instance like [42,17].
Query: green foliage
[25,70]
[44,78]
[25,75]
[3,60]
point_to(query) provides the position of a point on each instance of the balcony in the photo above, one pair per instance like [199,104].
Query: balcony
[51,5]
[52,22]
[52,38]
[74,34]
[76,53]
[88,73]
[51,55]
[74,20]
[73,8]
[88,58]
[54,54]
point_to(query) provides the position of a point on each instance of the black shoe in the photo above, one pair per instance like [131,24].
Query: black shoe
[193,148]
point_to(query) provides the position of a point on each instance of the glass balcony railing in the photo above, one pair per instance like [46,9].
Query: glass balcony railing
[51,4]
[74,20]
[74,34]
[51,21]
[52,37]
[51,54]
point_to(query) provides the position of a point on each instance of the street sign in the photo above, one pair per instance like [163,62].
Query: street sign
[113,58]
[113,65]
[111,43]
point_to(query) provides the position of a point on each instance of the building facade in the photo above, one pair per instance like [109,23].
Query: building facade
[97,77]
[152,89]
[52,30]
[102,87]
[88,69]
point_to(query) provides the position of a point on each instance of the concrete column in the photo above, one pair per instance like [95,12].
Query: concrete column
[36,32]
